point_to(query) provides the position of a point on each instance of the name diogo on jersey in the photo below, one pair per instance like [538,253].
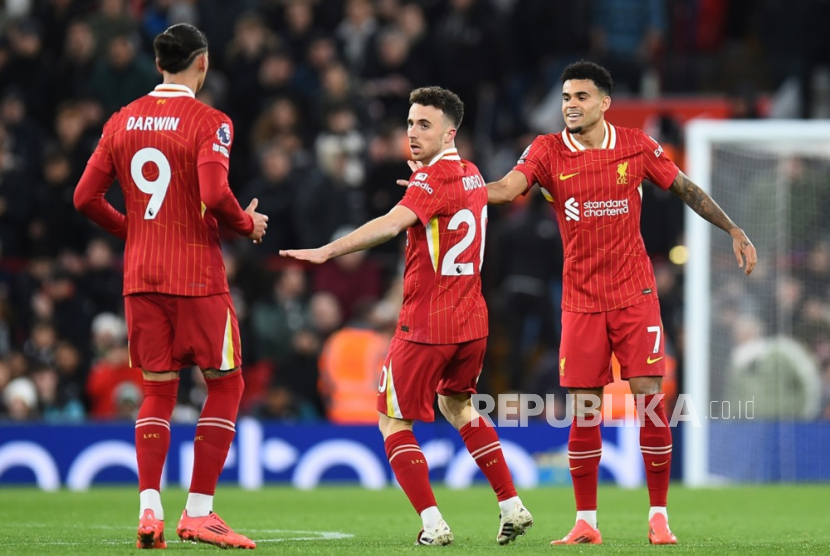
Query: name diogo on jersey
[611,207]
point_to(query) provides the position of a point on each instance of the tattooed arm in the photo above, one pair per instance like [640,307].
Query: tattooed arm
[700,202]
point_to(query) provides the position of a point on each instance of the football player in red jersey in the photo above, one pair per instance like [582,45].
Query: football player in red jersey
[170,154]
[442,329]
[592,173]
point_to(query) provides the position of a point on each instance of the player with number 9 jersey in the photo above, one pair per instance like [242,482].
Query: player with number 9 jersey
[156,146]
[442,282]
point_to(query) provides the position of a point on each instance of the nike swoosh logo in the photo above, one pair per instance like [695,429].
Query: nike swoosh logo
[651,361]
[563,177]
[655,464]
[574,468]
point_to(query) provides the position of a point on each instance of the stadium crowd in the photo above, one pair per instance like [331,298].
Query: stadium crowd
[318,93]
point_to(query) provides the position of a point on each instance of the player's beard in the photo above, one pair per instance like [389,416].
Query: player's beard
[575,130]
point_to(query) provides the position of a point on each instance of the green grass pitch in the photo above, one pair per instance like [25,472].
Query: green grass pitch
[349,520]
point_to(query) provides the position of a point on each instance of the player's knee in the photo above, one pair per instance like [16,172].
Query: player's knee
[228,382]
[453,409]
[645,385]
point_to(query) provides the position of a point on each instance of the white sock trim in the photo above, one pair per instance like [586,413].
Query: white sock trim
[589,516]
[199,505]
[507,505]
[654,510]
[430,517]
[150,499]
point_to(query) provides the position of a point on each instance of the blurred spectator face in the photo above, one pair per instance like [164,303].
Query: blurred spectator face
[250,35]
[358,12]
[291,283]
[18,364]
[276,165]
[284,114]
[394,49]
[788,292]
[113,8]
[67,358]
[326,315]
[59,287]
[351,261]
[299,16]
[121,52]
[322,53]
[80,42]
[99,254]
[411,20]
[336,80]
[69,124]
[56,169]
[462,5]
[25,40]
[388,9]
[46,383]
[341,121]
[92,111]
[13,109]
[276,70]
[44,335]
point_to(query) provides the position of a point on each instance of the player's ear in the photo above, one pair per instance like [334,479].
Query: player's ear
[606,103]
[158,67]
[451,131]
[203,62]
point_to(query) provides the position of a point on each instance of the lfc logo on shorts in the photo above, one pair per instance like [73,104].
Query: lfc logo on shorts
[562,367]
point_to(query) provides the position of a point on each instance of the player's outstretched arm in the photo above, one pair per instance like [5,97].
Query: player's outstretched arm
[377,231]
[506,189]
[700,202]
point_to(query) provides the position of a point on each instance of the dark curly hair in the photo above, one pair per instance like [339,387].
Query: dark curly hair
[178,46]
[443,99]
[584,69]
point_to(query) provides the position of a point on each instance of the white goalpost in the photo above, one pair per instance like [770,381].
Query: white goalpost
[756,342]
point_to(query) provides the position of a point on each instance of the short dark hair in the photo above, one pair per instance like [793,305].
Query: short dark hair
[443,99]
[584,69]
[178,46]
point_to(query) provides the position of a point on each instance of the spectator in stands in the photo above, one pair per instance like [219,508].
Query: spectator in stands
[350,366]
[124,75]
[352,279]
[53,405]
[20,399]
[111,19]
[276,319]
[76,63]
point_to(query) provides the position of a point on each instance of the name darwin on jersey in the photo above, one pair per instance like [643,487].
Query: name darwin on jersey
[151,123]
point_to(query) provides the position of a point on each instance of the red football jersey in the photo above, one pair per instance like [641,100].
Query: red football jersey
[442,301]
[597,195]
[154,147]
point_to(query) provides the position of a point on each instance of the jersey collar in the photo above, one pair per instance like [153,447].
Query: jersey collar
[449,154]
[608,142]
[168,90]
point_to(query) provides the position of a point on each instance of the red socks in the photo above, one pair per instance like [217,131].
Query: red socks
[656,444]
[215,431]
[584,452]
[152,431]
[482,442]
[410,468]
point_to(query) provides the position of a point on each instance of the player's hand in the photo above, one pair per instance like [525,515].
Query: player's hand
[744,249]
[260,222]
[316,256]
[414,166]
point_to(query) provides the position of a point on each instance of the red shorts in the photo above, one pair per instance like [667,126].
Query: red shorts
[412,373]
[633,334]
[169,332]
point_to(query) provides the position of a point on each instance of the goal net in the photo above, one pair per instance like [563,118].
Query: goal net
[757,347]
